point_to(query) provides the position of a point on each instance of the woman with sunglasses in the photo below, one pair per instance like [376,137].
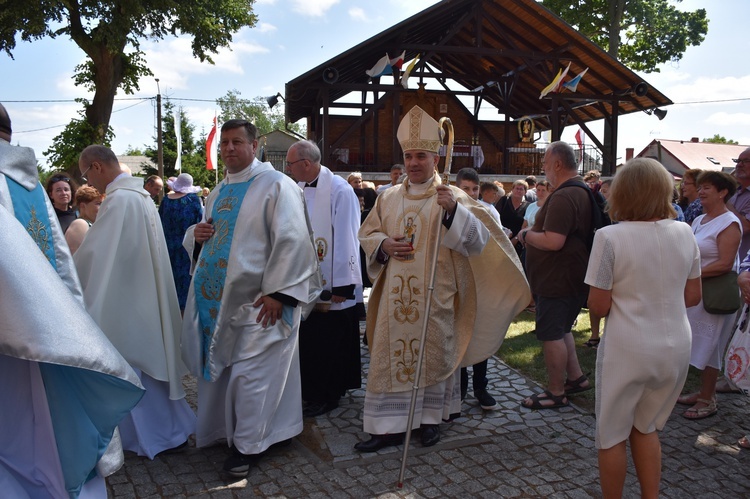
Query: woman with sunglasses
[60,188]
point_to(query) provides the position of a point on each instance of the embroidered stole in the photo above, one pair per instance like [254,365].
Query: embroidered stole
[211,271]
[30,209]
[320,219]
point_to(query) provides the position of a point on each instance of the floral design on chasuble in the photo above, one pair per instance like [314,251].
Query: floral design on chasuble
[407,297]
[38,232]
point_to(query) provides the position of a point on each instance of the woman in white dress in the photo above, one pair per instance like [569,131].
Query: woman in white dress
[718,232]
[643,272]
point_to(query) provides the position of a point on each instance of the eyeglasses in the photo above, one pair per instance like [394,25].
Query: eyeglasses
[83,175]
[288,164]
[740,161]
[60,178]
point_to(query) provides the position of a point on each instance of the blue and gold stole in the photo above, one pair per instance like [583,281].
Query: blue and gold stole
[30,209]
[211,271]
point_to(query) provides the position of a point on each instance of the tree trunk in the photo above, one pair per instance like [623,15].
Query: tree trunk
[616,9]
[107,78]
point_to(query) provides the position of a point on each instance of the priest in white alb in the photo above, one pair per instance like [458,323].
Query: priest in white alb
[254,270]
[479,289]
[128,288]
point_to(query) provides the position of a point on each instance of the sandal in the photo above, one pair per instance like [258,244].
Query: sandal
[702,412]
[593,343]
[576,386]
[744,442]
[536,402]
[688,399]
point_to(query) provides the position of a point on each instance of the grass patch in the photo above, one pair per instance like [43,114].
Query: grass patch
[523,352]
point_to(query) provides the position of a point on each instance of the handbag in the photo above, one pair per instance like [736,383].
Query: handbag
[721,294]
[737,359]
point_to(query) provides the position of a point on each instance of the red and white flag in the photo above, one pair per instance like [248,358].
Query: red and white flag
[580,138]
[211,153]
[397,62]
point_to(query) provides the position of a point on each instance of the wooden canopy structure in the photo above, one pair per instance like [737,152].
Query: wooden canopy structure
[472,54]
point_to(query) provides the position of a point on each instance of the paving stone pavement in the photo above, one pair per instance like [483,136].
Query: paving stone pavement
[509,452]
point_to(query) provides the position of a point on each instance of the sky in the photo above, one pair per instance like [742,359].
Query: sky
[711,93]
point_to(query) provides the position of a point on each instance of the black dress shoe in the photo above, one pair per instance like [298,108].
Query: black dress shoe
[238,464]
[319,408]
[378,442]
[430,435]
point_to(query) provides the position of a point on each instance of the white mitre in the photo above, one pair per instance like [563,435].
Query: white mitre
[418,130]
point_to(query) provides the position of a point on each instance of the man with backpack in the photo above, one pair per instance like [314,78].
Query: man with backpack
[557,253]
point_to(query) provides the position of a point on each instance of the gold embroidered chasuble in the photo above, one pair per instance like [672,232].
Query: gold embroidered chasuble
[474,300]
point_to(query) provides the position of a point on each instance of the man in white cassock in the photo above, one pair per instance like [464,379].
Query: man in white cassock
[479,289]
[254,270]
[63,386]
[329,337]
[123,264]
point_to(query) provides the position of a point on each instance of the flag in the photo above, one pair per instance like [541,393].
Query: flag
[382,67]
[554,85]
[579,138]
[409,68]
[178,135]
[572,85]
[211,154]
[398,61]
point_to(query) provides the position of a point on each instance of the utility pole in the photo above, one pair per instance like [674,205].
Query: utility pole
[159,139]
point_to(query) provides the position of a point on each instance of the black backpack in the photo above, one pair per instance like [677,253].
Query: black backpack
[599,216]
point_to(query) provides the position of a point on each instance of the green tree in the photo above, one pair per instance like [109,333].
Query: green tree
[110,34]
[133,151]
[66,147]
[640,33]
[233,106]
[720,139]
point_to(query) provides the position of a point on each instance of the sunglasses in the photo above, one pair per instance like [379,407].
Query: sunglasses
[60,178]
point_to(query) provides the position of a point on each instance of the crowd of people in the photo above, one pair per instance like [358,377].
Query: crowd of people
[259,295]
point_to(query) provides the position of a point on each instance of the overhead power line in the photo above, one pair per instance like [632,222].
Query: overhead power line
[15,132]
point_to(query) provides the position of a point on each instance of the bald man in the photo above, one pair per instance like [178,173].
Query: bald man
[123,264]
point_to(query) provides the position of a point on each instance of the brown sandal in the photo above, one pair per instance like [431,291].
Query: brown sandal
[537,401]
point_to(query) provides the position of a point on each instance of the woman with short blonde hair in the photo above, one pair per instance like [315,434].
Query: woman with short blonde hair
[643,273]
[355,180]
[643,194]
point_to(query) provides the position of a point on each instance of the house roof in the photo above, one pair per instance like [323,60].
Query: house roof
[286,133]
[136,163]
[681,155]
[503,52]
